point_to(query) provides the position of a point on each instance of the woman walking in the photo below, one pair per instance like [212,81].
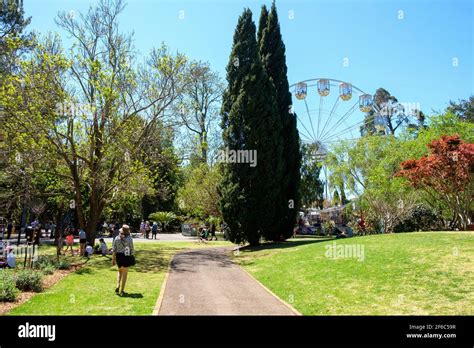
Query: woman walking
[122,255]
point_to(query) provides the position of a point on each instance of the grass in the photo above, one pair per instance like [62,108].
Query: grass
[90,290]
[426,273]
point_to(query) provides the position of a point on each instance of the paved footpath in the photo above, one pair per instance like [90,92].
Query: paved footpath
[207,282]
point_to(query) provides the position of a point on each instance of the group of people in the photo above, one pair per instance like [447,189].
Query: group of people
[33,231]
[122,252]
[146,228]
[85,248]
[206,233]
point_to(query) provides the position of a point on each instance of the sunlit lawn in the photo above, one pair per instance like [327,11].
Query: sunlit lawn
[90,290]
[426,273]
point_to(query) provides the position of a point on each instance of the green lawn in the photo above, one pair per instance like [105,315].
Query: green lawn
[90,290]
[426,273]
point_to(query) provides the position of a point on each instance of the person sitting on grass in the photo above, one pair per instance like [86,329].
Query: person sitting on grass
[11,259]
[89,250]
[203,234]
[103,248]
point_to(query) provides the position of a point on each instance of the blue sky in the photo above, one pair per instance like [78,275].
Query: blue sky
[412,56]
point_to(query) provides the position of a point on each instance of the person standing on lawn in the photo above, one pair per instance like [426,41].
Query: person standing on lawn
[69,242]
[116,231]
[147,229]
[213,231]
[154,230]
[123,255]
[82,241]
[10,229]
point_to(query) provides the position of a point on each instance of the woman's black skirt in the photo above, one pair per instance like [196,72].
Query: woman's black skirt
[123,260]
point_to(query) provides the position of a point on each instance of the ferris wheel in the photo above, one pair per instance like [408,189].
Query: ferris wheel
[330,111]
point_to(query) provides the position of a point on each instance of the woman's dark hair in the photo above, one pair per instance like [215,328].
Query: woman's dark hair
[101,240]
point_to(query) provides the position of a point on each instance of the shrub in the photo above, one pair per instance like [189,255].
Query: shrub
[420,218]
[49,269]
[63,264]
[354,226]
[8,290]
[328,227]
[45,262]
[164,218]
[29,280]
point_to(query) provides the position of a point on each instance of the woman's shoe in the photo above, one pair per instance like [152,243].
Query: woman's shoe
[116,290]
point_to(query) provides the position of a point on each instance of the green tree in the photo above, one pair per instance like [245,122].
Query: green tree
[311,187]
[164,218]
[14,186]
[13,40]
[390,117]
[198,109]
[98,126]
[368,168]
[370,165]
[250,122]
[198,197]
[159,156]
[464,109]
[272,52]
[262,23]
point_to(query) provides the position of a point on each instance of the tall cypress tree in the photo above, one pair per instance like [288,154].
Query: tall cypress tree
[249,117]
[262,23]
[272,52]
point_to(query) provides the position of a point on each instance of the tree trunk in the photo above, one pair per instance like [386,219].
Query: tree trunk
[57,233]
[78,198]
[203,139]
[95,211]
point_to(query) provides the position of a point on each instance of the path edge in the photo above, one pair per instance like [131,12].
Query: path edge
[159,301]
[290,307]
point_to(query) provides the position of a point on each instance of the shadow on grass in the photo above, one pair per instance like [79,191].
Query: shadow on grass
[147,260]
[84,270]
[152,260]
[136,295]
[283,245]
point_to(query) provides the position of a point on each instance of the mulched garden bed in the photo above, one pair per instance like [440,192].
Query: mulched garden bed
[48,281]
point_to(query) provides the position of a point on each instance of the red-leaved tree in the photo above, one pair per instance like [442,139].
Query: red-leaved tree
[446,174]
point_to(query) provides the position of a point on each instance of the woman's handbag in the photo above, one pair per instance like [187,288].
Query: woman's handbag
[132,260]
